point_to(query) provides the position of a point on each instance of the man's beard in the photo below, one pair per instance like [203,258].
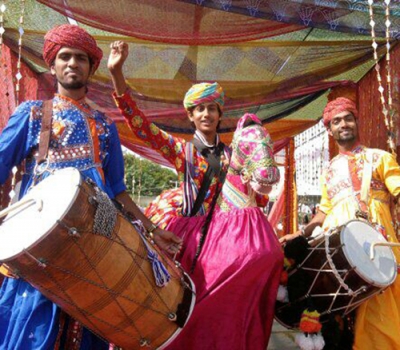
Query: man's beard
[349,139]
[76,85]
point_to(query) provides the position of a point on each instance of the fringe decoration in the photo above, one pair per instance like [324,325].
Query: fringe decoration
[284,278]
[311,339]
[282,295]
[309,322]
[304,341]
[319,341]
[308,341]
[161,274]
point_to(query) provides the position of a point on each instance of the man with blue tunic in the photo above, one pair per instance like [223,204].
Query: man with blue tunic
[85,139]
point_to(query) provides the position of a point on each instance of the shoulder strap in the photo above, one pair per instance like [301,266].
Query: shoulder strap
[367,177]
[214,168]
[213,159]
[205,185]
[45,131]
[204,229]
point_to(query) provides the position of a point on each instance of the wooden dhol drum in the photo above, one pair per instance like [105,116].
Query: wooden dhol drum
[66,238]
[337,273]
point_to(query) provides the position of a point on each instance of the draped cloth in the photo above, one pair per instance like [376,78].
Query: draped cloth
[236,277]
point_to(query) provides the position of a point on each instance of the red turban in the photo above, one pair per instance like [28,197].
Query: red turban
[69,35]
[336,106]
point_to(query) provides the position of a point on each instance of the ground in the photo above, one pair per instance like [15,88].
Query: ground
[281,338]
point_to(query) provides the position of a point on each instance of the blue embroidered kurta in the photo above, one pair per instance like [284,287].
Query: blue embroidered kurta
[82,138]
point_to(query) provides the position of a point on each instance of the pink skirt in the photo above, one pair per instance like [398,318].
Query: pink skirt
[236,278]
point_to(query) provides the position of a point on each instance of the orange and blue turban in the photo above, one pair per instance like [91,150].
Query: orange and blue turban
[203,93]
[69,35]
[336,106]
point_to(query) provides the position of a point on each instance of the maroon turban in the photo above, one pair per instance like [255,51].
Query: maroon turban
[69,35]
[336,106]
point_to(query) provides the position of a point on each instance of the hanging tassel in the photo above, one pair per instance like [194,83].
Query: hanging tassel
[282,295]
[309,322]
[304,341]
[288,263]
[284,278]
[311,339]
[161,274]
[319,341]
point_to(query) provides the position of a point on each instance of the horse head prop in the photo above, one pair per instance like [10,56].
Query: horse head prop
[252,170]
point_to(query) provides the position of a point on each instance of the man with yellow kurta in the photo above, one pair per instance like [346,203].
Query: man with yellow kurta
[377,325]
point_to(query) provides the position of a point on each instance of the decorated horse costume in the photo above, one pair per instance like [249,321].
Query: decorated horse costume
[237,272]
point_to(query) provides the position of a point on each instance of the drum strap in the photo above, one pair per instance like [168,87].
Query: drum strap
[45,131]
[213,168]
[367,177]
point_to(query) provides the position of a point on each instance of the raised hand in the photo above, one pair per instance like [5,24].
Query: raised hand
[119,53]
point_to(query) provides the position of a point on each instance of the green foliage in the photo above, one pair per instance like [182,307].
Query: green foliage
[147,177]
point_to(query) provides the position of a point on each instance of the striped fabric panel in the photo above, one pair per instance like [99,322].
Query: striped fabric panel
[232,197]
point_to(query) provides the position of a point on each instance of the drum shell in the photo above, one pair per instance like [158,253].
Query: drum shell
[328,296]
[105,283]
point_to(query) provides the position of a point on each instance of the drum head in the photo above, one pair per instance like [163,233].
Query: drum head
[27,225]
[357,237]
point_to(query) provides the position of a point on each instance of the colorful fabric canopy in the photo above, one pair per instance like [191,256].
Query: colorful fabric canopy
[205,22]
[277,66]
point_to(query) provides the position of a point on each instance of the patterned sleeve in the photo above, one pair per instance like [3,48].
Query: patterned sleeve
[14,140]
[389,172]
[325,205]
[171,148]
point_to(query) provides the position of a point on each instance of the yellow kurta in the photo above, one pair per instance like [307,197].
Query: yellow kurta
[378,319]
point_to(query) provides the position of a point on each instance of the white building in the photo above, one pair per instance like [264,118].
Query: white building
[311,156]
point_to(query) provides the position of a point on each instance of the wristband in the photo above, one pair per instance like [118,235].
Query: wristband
[151,229]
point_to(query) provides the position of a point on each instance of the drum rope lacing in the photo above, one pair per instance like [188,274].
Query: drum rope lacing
[118,240]
[114,295]
[151,256]
[104,229]
[109,290]
[335,271]
[319,271]
[142,341]
[98,275]
[75,234]
[104,222]
[68,300]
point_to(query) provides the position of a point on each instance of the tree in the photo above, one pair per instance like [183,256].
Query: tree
[147,178]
